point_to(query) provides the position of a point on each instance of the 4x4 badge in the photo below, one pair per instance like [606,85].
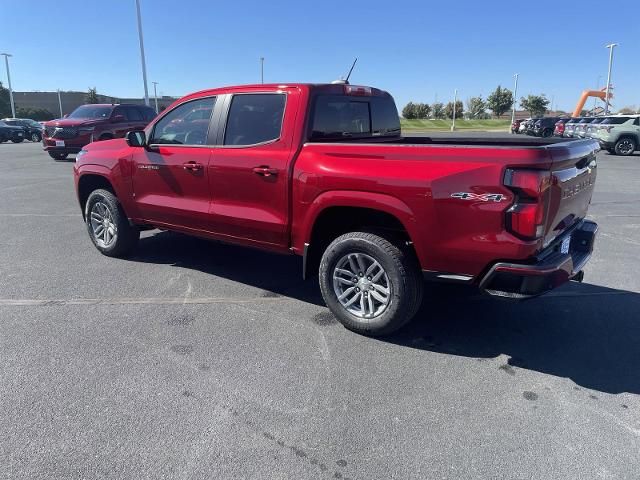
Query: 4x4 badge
[485,197]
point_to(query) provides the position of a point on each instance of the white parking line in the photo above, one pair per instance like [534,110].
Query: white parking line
[52,302]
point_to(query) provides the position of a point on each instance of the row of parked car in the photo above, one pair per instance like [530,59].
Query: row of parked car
[618,134]
[20,129]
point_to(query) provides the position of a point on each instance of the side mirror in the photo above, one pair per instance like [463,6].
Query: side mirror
[136,138]
[118,119]
[65,115]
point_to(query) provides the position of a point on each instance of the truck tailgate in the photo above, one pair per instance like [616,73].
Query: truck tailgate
[573,178]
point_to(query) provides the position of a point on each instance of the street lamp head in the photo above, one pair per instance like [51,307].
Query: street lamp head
[6,54]
[611,45]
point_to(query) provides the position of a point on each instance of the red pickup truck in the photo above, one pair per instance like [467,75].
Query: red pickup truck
[322,171]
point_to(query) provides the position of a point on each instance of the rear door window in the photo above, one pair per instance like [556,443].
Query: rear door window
[254,118]
[133,114]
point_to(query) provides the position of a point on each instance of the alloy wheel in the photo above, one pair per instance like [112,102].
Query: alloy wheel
[103,227]
[361,285]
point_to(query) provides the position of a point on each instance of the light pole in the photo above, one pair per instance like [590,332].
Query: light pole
[60,103]
[155,95]
[515,95]
[261,69]
[455,98]
[6,62]
[611,46]
[144,65]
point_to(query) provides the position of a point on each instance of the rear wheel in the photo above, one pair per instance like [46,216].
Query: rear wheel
[58,155]
[625,146]
[108,226]
[35,137]
[547,132]
[373,286]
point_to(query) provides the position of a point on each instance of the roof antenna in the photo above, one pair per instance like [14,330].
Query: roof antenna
[345,81]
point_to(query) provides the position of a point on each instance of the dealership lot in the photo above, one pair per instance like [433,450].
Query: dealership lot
[200,360]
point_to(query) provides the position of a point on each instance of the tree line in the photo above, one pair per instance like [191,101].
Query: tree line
[499,102]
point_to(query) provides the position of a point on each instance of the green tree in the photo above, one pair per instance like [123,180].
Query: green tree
[91,96]
[37,114]
[627,110]
[536,105]
[423,110]
[437,110]
[500,101]
[448,110]
[409,111]
[5,102]
[476,107]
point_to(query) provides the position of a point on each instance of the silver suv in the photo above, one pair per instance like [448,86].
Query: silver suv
[620,134]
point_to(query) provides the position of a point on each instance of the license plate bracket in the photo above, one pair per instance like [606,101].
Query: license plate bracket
[59,143]
[566,243]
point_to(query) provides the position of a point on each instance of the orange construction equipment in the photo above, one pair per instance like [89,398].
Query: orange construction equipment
[601,94]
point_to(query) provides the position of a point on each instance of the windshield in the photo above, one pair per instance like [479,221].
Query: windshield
[91,111]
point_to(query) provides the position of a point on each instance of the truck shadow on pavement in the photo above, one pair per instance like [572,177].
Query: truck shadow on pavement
[587,333]
[275,274]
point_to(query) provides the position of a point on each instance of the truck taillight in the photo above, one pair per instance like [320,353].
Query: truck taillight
[356,90]
[527,216]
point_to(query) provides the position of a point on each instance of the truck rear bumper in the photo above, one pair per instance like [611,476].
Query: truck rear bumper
[550,269]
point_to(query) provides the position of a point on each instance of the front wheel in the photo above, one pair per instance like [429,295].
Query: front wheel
[625,146]
[35,137]
[58,155]
[108,226]
[373,286]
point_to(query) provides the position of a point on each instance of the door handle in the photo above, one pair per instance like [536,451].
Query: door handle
[192,166]
[265,171]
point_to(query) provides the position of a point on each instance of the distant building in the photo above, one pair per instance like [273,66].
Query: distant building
[72,100]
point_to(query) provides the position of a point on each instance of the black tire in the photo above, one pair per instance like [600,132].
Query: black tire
[17,140]
[58,156]
[547,132]
[402,272]
[124,237]
[35,137]
[625,146]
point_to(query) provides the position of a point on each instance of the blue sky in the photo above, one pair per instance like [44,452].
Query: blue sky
[414,49]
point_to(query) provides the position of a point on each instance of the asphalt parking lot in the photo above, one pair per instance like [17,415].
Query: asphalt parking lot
[200,360]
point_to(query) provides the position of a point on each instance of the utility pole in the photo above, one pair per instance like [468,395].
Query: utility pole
[515,93]
[144,64]
[60,103]
[261,69]
[455,98]
[611,46]
[155,95]
[6,62]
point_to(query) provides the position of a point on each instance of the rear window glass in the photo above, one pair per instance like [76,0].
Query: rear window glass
[254,118]
[615,120]
[343,116]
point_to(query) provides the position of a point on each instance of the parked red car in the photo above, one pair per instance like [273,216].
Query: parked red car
[89,123]
[322,171]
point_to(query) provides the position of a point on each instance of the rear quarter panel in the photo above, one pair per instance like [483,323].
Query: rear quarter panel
[416,184]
